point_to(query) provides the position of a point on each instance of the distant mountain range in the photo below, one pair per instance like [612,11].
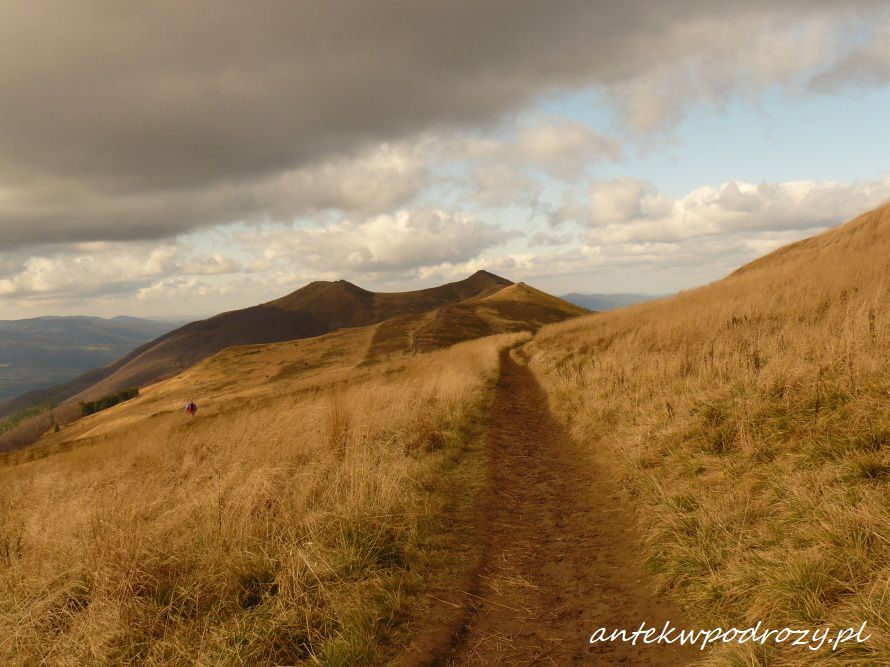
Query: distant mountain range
[49,359]
[600,302]
[406,322]
[316,309]
[45,351]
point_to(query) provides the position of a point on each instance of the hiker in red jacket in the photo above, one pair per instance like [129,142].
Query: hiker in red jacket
[191,408]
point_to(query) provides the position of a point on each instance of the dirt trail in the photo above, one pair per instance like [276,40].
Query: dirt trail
[558,558]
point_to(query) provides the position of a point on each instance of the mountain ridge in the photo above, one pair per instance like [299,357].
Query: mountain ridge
[318,308]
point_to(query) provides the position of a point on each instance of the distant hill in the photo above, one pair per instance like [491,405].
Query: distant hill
[262,372]
[44,351]
[602,302]
[517,307]
[318,308]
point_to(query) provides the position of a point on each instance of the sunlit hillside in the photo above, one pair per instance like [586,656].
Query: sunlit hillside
[291,521]
[316,309]
[515,308]
[294,519]
[305,511]
[750,418]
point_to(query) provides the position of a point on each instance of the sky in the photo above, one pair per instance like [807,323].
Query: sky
[173,159]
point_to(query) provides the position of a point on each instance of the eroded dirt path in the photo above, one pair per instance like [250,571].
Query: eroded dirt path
[558,558]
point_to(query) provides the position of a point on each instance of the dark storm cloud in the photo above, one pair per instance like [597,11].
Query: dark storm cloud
[143,119]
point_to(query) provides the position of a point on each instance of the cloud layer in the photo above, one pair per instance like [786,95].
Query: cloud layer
[405,240]
[629,210]
[157,117]
[210,148]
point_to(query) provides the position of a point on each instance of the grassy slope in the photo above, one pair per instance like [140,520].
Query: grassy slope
[511,309]
[751,420]
[313,310]
[291,521]
[518,307]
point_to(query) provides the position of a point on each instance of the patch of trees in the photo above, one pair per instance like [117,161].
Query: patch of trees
[90,407]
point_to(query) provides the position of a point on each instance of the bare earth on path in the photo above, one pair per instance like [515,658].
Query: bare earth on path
[558,558]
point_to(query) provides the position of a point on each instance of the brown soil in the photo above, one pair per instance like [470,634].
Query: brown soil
[558,558]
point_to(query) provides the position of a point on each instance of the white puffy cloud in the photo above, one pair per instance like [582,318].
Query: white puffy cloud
[503,167]
[628,210]
[174,288]
[405,240]
[274,259]
[645,267]
[81,272]
[625,199]
[564,148]
[105,268]
[373,181]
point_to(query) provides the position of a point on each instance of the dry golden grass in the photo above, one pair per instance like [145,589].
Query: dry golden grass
[751,417]
[290,522]
[509,310]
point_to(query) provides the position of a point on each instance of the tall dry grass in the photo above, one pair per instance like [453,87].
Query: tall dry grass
[751,418]
[294,530]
